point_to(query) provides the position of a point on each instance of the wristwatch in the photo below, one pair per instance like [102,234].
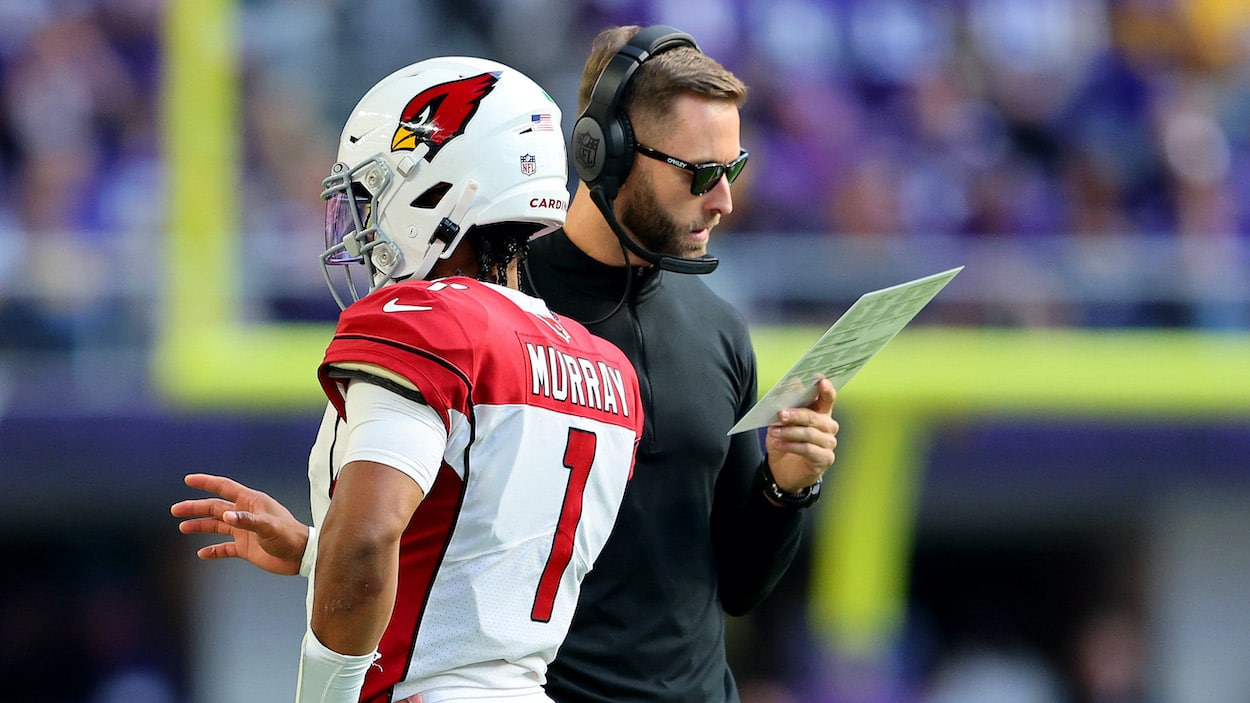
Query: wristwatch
[767,483]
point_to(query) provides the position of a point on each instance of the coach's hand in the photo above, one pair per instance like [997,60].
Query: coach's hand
[801,443]
[261,530]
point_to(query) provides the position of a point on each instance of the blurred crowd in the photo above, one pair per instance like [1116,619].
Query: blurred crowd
[79,147]
[1011,121]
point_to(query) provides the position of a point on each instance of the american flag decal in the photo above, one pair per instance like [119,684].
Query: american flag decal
[541,123]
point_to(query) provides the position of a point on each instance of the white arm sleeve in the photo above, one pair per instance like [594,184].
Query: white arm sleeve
[387,428]
[310,553]
[325,676]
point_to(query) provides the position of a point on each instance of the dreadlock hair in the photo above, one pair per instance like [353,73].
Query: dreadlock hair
[497,245]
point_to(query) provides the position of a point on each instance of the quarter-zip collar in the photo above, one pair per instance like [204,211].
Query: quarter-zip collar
[592,278]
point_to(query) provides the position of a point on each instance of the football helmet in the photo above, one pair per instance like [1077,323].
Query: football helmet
[431,151]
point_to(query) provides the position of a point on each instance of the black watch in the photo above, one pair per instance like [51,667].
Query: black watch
[765,481]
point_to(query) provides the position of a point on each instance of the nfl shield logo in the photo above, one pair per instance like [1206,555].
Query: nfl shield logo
[587,150]
[528,164]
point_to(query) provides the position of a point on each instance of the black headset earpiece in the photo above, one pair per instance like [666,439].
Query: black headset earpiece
[603,140]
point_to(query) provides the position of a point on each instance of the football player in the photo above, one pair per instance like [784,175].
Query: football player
[476,446]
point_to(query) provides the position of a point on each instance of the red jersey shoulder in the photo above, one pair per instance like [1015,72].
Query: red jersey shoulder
[445,311]
[428,332]
[462,321]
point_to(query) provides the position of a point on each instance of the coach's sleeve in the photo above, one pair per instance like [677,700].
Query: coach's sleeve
[755,540]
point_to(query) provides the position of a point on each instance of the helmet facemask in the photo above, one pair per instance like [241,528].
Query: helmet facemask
[354,197]
[351,231]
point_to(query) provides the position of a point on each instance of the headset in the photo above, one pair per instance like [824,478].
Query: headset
[603,139]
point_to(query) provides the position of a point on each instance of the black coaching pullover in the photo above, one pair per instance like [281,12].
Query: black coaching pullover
[692,538]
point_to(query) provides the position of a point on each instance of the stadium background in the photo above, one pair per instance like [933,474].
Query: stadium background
[1042,487]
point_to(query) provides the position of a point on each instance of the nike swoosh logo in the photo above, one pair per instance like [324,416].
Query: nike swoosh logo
[393,305]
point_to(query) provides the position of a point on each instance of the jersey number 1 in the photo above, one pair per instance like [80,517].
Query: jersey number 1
[579,454]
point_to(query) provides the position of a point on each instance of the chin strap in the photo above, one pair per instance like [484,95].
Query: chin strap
[448,231]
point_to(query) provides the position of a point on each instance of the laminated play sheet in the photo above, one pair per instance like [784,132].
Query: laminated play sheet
[862,331]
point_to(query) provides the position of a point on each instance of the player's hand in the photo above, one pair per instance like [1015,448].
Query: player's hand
[261,530]
[801,443]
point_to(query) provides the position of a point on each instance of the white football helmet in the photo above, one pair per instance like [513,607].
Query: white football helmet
[432,150]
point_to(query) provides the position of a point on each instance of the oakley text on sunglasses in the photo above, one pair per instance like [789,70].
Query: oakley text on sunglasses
[703,177]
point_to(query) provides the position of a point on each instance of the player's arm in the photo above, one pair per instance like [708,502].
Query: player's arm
[358,556]
[393,450]
[356,575]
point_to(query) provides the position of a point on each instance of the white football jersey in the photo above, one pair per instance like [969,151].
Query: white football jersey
[542,421]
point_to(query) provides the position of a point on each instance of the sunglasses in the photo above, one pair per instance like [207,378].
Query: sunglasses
[703,177]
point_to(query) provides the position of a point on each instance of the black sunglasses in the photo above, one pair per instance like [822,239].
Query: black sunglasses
[703,177]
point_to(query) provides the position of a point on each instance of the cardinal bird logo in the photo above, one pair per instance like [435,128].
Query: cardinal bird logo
[440,113]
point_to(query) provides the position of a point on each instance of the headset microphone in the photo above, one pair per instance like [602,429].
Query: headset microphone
[696,266]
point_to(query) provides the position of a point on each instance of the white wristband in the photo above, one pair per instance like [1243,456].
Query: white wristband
[307,561]
[325,676]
